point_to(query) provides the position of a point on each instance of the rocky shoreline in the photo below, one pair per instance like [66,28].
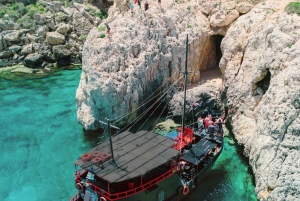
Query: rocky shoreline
[45,34]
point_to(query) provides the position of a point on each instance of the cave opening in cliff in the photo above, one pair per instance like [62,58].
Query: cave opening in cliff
[210,58]
[264,83]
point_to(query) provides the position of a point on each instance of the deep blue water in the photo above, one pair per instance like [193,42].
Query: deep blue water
[40,139]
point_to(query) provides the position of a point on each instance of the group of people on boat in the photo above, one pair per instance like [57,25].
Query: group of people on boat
[212,125]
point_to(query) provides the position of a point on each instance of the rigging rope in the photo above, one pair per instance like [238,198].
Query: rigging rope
[117,119]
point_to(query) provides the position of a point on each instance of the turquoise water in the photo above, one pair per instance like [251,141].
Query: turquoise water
[40,139]
[230,179]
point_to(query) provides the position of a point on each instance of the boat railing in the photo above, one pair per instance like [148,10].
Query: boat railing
[75,197]
[117,196]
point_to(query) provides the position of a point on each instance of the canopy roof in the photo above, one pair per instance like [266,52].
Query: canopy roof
[196,153]
[135,154]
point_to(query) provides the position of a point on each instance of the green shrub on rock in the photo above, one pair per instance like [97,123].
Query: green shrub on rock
[83,37]
[102,28]
[102,35]
[293,7]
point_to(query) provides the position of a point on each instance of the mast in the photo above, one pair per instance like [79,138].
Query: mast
[109,126]
[185,81]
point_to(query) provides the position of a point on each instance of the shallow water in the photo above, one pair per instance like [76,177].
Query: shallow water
[40,139]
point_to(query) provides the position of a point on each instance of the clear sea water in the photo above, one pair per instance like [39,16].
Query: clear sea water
[40,139]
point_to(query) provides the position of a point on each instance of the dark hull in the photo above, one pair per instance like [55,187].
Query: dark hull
[172,186]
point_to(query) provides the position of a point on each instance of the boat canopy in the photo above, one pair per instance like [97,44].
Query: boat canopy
[197,153]
[134,155]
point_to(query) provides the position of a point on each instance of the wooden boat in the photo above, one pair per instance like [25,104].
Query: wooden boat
[146,166]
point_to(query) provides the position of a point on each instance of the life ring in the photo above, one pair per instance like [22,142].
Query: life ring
[79,186]
[185,190]
[102,199]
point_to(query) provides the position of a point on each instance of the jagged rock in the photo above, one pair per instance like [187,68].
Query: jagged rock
[5,54]
[50,23]
[42,30]
[244,7]
[48,56]
[37,47]
[54,6]
[69,11]
[261,66]
[60,51]
[15,48]
[55,38]
[33,60]
[7,24]
[223,17]
[2,43]
[39,18]
[230,5]
[12,36]
[79,7]
[207,7]
[62,55]
[31,38]
[63,29]
[81,25]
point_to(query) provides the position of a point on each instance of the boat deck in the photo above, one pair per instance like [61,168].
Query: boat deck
[134,154]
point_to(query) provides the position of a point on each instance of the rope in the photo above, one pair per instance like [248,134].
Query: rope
[146,111]
[117,119]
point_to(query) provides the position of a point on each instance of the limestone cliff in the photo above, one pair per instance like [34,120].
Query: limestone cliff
[143,50]
[261,66]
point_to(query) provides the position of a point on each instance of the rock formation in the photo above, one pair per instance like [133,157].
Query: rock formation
[32,39]
[142,51]
[261,66]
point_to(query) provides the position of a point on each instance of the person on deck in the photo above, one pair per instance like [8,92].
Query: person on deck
[200,124]
[220,126]
[159,2]
[206,120]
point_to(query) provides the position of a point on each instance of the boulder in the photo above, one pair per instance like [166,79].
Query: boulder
[207,7]
[39,18]
[13,36]
[7,24]
[63,29]
[5,54]
[62,55]
[42,30]
[55,38]
[50,23]
[244,7]
[33,60]
[54,6]
[60,51]
[81,25]
[223,18]
[15,48]
[2,43]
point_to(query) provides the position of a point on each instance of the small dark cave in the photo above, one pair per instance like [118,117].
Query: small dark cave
[217,39]
[211,56]
[265,82]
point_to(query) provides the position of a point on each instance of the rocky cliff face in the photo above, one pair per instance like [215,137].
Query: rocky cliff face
[261,62]
[260,66]
[39,35]
[143,50]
